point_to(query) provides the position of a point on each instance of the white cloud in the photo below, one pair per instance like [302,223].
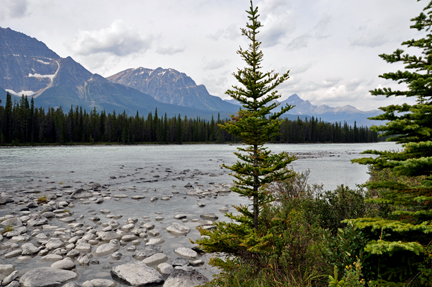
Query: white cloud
[278,21]
[119,40]
[299,42]
[16,8]
[170,50]
[214,64]
[232,32]
[321,28]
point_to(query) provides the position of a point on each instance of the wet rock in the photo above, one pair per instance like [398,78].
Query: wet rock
[46,276]
[155,259]
[129,237]
[178,229]
[51,258]
[14,253]
[197,262]
[182,278]
[136,274]
[103,283]
[149,226]
[209,216]
[106,249]
[154,232]
[29,249]
[83,260]
[83,247]
[116,255]
[180,261]
[17,231]
[108,235]
[6,269]
[54,243]
[165,268]
[6,200]
[147,251]
[180,216]
[65,264]
[186,252]
[11,277]
[155,241]
[81,193]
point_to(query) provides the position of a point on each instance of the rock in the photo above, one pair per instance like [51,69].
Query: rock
[16,284]
[37,221]
[136,274]
[180,216]
[155,259]
[178,229]
[181,278]
[54,243]
[10,278]
[83,260]
[200,204]
[17,231]
[46,276]
[14,253]
[155,241]
[116,255]
[154,198]
[154,232]
[180,261]
[73,253]
[51,258]
[188,185]
[108,235]
[223,209]
[209,216]
[147,251]
[130,237]
[81,193]
[149,226]
[83,247]
[29,249]
[72,284]
[128,227]
[6,269]
[103,283]
[197,262]
[106,249]
[5,200]
[165,268]
[186,252]
[23,259]
[65,264]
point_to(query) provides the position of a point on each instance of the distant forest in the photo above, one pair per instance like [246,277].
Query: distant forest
[22,123]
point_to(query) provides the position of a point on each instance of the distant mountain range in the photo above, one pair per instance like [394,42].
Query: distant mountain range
[304,108]
[28,67]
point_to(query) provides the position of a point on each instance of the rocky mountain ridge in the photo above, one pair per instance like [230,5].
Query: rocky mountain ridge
[171,87]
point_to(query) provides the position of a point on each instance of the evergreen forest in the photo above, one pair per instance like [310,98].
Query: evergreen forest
[23,123]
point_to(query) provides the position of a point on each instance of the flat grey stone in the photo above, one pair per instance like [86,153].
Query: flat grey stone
[147,251]
[51,258]
[46,277]
[136,274]
[103,283]
[186,252]
[108,235]
[178,229]
[11,277]
[155,259]
[165,268]
[106,249]
[182,278]
[29,249]
[209,216]
[65,264]
[14,253]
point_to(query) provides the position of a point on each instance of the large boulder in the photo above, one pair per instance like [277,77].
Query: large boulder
[181,278]
[136,274]
[46,277]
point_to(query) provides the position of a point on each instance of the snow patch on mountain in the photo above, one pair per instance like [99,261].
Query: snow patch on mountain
[19,94]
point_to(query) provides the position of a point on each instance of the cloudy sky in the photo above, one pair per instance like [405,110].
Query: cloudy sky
[331,47]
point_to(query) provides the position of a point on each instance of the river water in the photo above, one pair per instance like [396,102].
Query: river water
[159,170]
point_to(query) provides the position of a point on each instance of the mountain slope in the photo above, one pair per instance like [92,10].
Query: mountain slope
[29,67]
[172,87]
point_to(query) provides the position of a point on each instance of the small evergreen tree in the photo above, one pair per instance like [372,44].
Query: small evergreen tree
[400,236]
[257,166]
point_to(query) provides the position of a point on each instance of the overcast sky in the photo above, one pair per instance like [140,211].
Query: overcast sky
[331,47]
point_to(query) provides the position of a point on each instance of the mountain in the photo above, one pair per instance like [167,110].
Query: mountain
[304,109]
[171,87]
[331,114]
[29,67]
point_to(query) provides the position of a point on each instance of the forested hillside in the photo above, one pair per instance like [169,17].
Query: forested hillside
[22,123]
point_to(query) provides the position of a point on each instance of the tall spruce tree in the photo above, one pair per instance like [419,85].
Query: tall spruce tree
[257,166]
[400,238]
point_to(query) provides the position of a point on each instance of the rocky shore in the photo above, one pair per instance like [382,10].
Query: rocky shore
[56,234]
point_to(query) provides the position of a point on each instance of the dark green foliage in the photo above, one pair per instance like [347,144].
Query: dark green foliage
[29,125]
[400,230]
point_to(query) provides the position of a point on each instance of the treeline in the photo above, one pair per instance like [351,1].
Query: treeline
[22,123]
